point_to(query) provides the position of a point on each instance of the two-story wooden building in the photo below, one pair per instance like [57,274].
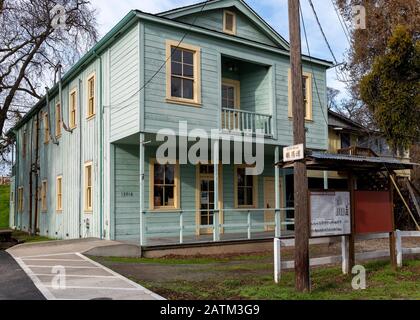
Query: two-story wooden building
[86,153]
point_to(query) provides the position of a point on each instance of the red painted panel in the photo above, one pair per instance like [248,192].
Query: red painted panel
[373,212]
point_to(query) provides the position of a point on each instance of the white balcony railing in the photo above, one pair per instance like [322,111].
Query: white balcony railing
[246,121]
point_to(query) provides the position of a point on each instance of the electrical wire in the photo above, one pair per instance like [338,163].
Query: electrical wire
[343,24]
[164,63]
[312,67]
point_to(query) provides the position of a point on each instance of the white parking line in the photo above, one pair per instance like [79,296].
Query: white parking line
[100,288]
[75,276]
[49,255]
[67,267]
[61,260]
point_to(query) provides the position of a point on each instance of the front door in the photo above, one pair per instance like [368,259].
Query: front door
[206,197]
[230,103]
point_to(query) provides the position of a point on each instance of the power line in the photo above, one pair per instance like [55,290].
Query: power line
[312,67]
[164,63]
[343,24]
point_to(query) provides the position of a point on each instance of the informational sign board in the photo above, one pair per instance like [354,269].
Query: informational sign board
[330,214]
[293,153]
[373,212]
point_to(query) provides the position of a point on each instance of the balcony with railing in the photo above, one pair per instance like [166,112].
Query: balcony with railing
[246,97]
[235,120]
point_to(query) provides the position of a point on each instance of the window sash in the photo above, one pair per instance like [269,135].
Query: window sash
[88,188]
[164,186]
[73,108]
[58,119]
[91,96]
[46,129]
[59,194]
[182,76]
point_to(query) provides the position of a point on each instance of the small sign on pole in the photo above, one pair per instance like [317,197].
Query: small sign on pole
[293,153]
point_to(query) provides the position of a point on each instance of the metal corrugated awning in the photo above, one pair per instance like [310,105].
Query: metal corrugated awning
[343,162]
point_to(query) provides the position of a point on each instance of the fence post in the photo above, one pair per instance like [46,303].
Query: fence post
[345,254]
[277,260]
[216,224]
[181,227]
[249,225]
[399,249]
[278,223]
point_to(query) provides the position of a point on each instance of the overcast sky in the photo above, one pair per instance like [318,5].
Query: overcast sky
[273,11]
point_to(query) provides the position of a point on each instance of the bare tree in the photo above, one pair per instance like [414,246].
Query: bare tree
[31,46]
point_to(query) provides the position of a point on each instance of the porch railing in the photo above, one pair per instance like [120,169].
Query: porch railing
[246,121]
[248,229]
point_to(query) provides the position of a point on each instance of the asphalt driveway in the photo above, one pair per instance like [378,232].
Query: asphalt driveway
[14,282]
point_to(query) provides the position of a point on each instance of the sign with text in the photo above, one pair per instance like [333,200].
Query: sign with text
[293,153]
[330,214]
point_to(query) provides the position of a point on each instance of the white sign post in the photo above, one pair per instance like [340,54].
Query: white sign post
[330,214]
[293,153]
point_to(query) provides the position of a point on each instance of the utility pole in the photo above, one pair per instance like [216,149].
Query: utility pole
[299,133]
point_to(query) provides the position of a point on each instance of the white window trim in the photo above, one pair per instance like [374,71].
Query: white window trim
[232,32]
[309,105]
[196,101]
[58,120]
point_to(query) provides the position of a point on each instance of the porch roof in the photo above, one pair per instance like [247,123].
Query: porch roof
[344,162]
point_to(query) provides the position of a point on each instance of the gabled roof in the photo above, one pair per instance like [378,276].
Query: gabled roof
[336,120]
[240,5]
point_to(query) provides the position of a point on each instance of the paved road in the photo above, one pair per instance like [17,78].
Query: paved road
[61,272]
[14,282]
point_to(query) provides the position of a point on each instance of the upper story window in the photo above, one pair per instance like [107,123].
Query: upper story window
[91,96]
[307,95]
[183,73]
[164,193]
[58,120]
[229,22]
[73,109]
[46,128]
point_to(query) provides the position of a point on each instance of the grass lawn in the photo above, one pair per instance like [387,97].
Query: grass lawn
[26,238]
[251,277]
[4,206]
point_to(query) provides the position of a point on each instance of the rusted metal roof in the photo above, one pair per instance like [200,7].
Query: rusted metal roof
[333,162]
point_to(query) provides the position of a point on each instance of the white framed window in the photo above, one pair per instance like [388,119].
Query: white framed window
[59,194]
[307,95]
[229,22]
[91,87]
[164,186]
[183,75]
[88,187]
[73,109]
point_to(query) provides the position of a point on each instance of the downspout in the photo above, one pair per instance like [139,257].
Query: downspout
[60,94]
[52,136]
[100,148]
[17,181]
[35,168]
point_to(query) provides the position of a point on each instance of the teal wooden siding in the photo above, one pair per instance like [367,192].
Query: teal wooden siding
[160,114]
[124,86]
[213,20]
[127,201]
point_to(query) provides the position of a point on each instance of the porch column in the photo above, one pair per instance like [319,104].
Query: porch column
[141,177]
[216,216]
[326,180]
[277,191]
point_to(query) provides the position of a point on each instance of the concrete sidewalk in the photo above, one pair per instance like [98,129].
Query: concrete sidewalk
[61,272]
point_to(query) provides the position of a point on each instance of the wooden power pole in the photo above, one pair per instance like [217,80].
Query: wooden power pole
[299,133]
